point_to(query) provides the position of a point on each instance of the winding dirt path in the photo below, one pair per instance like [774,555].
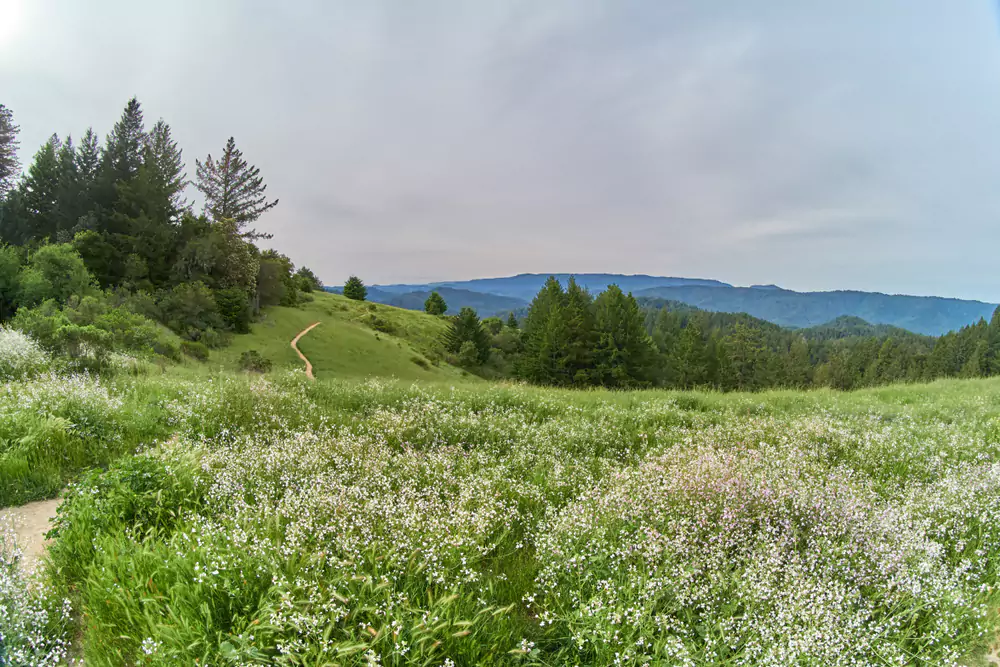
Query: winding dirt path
[295,346]
[31,522]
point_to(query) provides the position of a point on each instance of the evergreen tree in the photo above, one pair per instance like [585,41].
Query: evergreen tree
[125,148]
[355,289]
[233,189]
[465,330]
[746,357]
[798,368]
[691,356]
[544,336]
[435,304]
[624,354]
[165,165]
[40,190]
[307,280]
[578,315]
[10,168]
[976,365]
[512,321]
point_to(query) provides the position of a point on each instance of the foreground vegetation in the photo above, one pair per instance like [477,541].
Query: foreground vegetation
[252,520]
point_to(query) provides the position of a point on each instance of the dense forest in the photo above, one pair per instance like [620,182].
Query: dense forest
[570,338]
[99,246]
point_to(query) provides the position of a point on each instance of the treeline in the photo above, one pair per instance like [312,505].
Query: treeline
[570,338]
[95,235]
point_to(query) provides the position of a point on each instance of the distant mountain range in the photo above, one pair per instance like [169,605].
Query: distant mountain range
[927,315]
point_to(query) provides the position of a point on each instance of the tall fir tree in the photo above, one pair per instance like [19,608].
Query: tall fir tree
[624,353]
[544,336]
[40,189]
[580,336]
[124,149]
[233,189]
[10,167]
[164,163]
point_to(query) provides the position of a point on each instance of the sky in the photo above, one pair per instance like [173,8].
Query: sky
[817,145]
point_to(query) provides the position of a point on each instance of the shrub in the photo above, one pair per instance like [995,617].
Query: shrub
[234,308]
[420,361]
[190,309]
[20,356]
[254,362]
[195,350]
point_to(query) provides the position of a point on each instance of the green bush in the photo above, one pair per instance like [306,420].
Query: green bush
[194,350]
[190,310]
[254,362]
[234,308]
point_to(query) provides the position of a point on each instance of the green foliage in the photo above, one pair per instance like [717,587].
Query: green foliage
[234,308]
[233,190]
[10,167]
[467,338]
[514,525]
[435,304]
[190,310]
[254,362]
[307,280]
[194,350]
[54,272]
[354,289]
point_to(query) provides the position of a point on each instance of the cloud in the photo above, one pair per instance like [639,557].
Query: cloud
[440,140]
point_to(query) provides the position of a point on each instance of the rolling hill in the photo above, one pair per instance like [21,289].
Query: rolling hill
[928,315]
[355,340]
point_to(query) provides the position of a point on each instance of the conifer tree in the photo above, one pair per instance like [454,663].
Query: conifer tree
[545,336]
[40,189]
[10,168]
[512,321]
[124,148]
[578,315]
[355,289]
[165,165]
[467,329]
[233,189]
[435,304]
[624,353]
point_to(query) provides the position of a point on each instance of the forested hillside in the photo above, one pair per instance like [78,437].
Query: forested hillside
[570,337]
[101,252]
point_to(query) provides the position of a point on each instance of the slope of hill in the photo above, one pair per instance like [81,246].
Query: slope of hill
[355,340]
[927,315]
[850,326]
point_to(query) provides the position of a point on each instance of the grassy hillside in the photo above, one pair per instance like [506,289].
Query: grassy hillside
[354,340]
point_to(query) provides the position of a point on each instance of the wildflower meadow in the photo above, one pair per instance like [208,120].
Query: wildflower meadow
[241,521]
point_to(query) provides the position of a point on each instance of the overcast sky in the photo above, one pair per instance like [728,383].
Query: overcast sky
[813,144]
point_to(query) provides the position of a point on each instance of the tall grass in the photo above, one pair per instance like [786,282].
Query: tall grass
[285,522]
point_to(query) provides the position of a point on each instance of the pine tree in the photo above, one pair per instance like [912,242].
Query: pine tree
[233,189]
[466,329]
[544,336]
[40,190]
[355,289]
[691,356]
[435,304]
[165,165]
[10,168]
[578,315]
[125,147]
[624,354]
[512,321]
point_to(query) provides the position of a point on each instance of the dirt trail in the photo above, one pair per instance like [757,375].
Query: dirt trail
[31,522]
[295,346]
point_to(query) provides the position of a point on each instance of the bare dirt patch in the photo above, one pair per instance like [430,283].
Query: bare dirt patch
[31,522]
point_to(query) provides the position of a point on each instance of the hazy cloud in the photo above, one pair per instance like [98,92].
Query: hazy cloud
[817,145]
